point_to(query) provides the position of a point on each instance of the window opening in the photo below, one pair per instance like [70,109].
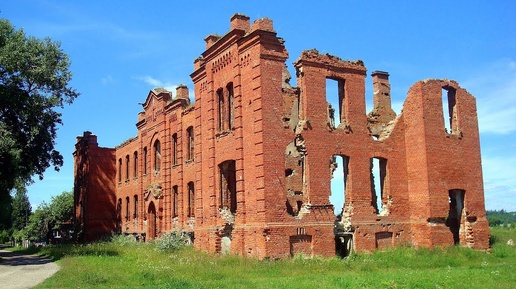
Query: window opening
[231,110]
[119,170]
[157,155]
[449,102]
[190,148]
[339,169]
[228,185]
[127,168]
[378,181]
[127,208]
[191,200]
[456,201]
[221,109]
[145,160]
[135,208]
[175,195]
[174,149]
[335,98]
[135,165]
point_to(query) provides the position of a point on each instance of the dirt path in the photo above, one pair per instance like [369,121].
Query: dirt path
[24,271]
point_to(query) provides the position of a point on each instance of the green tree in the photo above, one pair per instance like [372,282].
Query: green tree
[34,82]
[21,208]
[50,216]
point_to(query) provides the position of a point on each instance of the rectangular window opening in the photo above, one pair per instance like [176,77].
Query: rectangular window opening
[228,185]
[231,110]
[336,101]
[340,169]
[449,109]
[145,160]
[378,182]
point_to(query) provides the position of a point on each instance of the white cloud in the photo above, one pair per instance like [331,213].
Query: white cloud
[156,83]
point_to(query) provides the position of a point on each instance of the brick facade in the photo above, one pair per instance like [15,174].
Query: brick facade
[246,168]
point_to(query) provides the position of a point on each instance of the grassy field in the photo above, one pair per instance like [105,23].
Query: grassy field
[112,265]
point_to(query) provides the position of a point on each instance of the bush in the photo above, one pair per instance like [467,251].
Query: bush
[123,240]
[174,240]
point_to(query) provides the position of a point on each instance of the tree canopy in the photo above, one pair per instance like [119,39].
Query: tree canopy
[34,82]
[47,217]
[21,209]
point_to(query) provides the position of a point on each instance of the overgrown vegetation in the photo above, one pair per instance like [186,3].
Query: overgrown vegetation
[107,265]
[173,241]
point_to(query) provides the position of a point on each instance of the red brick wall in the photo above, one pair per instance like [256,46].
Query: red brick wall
[94,189]
[281,142]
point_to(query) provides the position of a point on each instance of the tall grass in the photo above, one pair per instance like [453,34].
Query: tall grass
[139,265]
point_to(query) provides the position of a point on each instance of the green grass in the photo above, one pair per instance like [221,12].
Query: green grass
[112,265]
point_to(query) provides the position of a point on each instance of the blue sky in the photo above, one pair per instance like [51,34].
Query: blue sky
[122,49]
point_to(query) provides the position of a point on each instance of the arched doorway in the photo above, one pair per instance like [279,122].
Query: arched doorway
[151,222]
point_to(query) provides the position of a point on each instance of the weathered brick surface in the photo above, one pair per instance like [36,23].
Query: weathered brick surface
[256,180]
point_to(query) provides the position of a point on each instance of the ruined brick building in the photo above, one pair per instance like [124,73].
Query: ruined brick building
[246,167]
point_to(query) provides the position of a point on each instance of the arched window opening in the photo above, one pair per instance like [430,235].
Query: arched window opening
[135,208]
[127,212]
[175,195]
[135,165]
[119,170]
[127,168]
[157,156]
[174,149]
[191,200]
[190,147]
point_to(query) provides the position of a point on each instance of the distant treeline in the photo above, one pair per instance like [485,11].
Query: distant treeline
[497,218]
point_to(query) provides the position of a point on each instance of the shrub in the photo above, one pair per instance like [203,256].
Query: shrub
[174,240]
[123,240]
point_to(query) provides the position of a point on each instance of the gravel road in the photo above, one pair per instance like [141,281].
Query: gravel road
[24,271]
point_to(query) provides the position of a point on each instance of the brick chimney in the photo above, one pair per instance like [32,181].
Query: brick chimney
[382,89]
[182,91]
[240,21]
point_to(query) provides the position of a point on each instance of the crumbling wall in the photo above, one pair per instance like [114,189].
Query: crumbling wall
[247,167]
